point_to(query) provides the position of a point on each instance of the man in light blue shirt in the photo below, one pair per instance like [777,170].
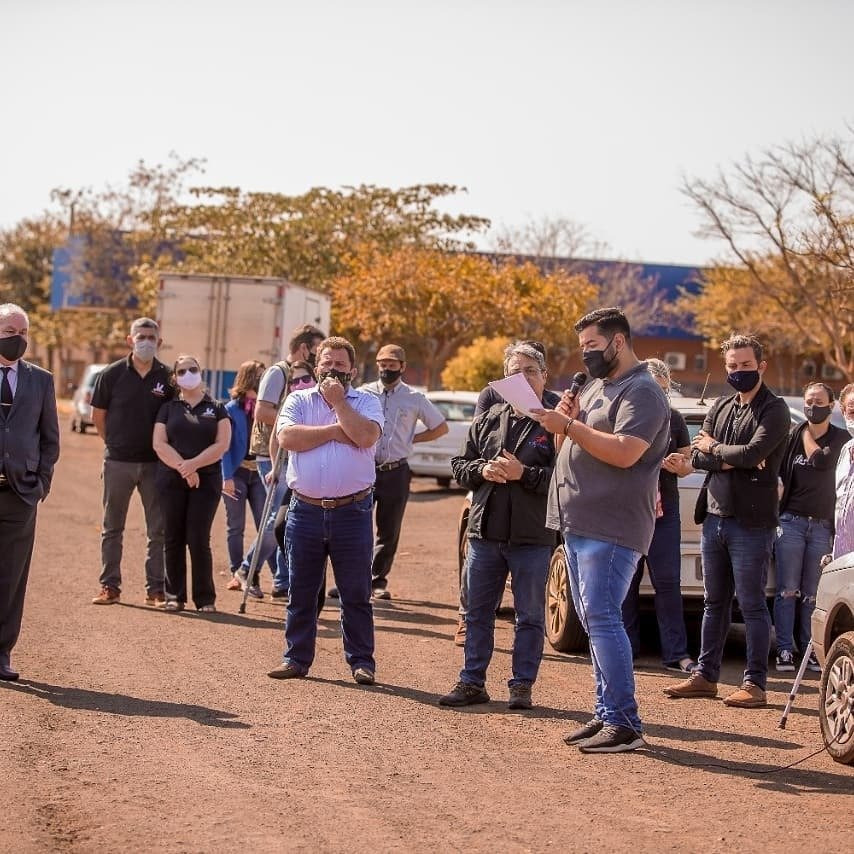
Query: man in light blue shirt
[330,432]
[403,408]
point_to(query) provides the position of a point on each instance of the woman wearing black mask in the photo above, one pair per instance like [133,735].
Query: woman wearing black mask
[807,474]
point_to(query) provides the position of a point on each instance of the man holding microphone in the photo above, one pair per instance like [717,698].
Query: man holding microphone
[602,500]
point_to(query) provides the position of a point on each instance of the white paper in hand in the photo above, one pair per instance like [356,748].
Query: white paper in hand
[517,392]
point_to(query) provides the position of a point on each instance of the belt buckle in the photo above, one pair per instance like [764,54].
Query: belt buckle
[328,503]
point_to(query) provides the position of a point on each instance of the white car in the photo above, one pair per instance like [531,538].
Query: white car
[833,644]
[81,402]
[433,459]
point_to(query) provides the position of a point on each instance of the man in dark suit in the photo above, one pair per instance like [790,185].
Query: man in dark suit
[29,449]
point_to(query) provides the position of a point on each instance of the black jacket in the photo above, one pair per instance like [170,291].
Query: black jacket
[759,436]
[535,450]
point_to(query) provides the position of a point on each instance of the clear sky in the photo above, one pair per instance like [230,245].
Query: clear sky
[587,109]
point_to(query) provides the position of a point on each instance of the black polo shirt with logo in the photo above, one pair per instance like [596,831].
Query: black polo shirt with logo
[191,429]
[131,403]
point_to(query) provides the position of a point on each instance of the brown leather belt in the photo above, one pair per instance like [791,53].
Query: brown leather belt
[390,466]
[332,503]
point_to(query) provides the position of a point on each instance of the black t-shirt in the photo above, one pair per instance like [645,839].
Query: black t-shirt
[191,429]
[131,403]
[668,483]
[812,488]
[499,506]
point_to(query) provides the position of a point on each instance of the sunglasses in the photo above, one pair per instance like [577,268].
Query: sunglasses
[192,370]
[301,381]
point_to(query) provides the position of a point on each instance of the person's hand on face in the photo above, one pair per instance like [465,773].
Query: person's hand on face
[332,390]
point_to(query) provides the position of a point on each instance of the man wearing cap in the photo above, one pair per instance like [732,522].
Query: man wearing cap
[29,448]
[127,395]
[403,408]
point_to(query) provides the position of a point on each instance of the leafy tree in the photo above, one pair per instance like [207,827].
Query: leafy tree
[475,364]
[434,302]
[787,219]
[729,301]
[306,238]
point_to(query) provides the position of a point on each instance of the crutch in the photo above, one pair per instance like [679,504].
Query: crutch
[265,517]
[796,685]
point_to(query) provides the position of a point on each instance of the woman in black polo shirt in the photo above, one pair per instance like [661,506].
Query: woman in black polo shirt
[808,478]
[191,434]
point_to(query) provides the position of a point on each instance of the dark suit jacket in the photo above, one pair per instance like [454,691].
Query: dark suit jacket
[29,435]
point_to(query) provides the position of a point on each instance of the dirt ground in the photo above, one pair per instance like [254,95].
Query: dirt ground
[137,730]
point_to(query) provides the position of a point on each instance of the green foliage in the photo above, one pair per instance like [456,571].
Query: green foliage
[475,365]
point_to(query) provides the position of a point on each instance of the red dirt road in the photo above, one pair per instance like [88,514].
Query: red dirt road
[136,730]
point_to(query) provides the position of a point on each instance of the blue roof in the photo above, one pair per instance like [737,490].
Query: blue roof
[667,280]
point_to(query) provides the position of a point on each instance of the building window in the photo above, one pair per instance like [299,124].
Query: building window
[828,372]
[700,362]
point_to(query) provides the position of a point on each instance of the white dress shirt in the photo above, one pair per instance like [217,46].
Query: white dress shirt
[333,469]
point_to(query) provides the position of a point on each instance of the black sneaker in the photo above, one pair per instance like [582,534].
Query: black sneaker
[812,664]
[279,593]
[585,731]
[785,661]
[332,593]
[520,696]
[612,739]
[464,694]
[380,593]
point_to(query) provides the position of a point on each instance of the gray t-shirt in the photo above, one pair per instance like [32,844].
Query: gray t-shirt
[270,390]
[590,498]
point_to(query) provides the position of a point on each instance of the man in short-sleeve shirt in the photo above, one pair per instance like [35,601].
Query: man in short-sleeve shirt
[403,408]
[125,401]
[602,500]
[330,433]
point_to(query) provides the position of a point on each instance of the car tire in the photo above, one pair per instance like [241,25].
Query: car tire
[563,628]
[836,705]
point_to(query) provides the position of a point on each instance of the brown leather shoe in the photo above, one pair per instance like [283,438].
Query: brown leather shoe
[749,696]
[694,686]
[155,600]
[107,596]
[460,636]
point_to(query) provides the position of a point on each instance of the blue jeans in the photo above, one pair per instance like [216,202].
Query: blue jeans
[346,536]
[599,578]
[250,489]
[664,564]
[735,562]
[488,564]
[800,546]
[269,546]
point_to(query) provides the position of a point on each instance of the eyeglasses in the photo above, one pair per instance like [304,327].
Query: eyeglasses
[194,369]
[306,380]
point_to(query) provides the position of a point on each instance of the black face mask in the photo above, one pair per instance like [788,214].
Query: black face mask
[13,347]
[388,377]
[597,363]
[342,376]
[743,381]
[817,414]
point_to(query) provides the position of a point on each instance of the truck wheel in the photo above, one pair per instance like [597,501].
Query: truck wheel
[836,709]
[563,628]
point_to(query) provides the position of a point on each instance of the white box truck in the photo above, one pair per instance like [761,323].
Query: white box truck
[225,320]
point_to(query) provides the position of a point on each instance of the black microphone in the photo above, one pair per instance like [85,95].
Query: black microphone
[578,380]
